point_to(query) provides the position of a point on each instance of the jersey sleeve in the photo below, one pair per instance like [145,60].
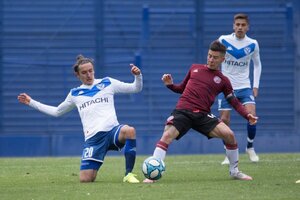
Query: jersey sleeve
[66,106]
[227,87]
[236,104]
[256,66]
[122,87]
[179,88]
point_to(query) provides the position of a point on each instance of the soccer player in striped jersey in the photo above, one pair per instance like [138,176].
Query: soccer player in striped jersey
[241,49]
[94,100]
[198,91]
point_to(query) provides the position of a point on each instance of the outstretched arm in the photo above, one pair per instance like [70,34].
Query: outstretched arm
[136,86]
[167,79]
[236,104]
[178,88]
[63,108]
[24,98]
[241,109]
[135,70]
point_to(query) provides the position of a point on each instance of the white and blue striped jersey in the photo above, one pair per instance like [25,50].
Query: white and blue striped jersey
[95,103]
[236,65]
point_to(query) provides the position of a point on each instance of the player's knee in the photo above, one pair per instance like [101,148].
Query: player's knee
[130,132]
[87,179]
[87,176]
[168,137]
[230,137]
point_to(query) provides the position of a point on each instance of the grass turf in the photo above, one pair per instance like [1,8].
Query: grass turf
[186,177]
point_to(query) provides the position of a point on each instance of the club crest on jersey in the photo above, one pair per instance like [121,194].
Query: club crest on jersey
[247,50]
[195,70]
[217,79]
[100,86]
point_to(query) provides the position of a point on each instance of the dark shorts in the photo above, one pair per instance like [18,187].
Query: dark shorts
[96,147]
[184,120]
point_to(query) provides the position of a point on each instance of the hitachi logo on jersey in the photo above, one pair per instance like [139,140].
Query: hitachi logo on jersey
[236,63]
[98,100]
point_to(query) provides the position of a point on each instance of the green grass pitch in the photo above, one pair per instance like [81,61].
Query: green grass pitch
[187,177]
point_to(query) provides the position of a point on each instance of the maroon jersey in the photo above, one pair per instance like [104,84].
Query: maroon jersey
[200,88]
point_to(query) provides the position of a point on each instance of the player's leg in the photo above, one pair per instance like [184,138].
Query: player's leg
[224,108]
[89,168]
[251,130]
[88,175]
[247,99]
[176,126]
[225,117]
[92,158]
[226,134]
[169,134]
[127,136]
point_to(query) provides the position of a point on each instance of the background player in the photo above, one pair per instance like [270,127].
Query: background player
[198,92]
[240,51]
[94,100]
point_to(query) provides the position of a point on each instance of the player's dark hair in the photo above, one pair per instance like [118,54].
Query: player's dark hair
[241,16]
[217,46]
[80,60]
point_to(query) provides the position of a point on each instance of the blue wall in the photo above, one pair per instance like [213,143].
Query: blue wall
[40,41]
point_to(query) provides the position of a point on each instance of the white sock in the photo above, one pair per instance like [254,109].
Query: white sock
[233,157]
[159,153]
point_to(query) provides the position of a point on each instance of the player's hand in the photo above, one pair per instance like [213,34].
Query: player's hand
[135,70]
[252,119]
[167,79]
[255,92]
[24,98]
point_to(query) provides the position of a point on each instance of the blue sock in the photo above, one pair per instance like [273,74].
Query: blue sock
[130,154]
[251,135]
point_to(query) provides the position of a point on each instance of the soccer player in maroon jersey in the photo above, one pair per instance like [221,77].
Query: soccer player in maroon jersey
[198,91]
